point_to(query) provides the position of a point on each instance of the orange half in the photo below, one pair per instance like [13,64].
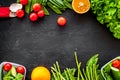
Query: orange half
[81,6]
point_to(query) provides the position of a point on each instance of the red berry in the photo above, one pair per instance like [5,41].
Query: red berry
[33,16]
[37,7]
[20,13]
[7,66]
[116,63]
[61,21]
[24,2]
[20,69]
[41,13]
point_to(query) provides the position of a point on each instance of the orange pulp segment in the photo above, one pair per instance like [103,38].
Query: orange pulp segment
[81,6]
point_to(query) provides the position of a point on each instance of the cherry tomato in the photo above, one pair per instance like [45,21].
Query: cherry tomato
[20,13]
[118,67]
[24,2]
[61,21]
[7,66]
[20,69]
[37,7]
[33,16]
[41,13]
[116,63]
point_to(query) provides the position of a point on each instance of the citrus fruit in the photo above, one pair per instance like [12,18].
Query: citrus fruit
[40,73]
[81,6]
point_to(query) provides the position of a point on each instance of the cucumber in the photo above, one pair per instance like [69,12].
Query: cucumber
[13,71]
[115,73]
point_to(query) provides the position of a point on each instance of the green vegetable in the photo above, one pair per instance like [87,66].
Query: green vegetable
[19,77]
[91,71]
[32,3]
[108,77]
[54,8]
[115,73]
[67,4]
[108,13]
[13,71]
[45,10]
[28,7]
[44,2]
[12,75]
[59,6]
[56,5]
[39,1]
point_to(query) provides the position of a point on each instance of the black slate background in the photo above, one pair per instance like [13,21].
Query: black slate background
[43,42]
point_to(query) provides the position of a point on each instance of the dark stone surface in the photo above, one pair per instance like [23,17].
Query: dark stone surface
[43,42]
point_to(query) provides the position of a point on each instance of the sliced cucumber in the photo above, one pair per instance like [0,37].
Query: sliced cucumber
[115,73]
[13,71]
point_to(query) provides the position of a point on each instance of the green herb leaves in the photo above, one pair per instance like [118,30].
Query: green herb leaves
[108,12]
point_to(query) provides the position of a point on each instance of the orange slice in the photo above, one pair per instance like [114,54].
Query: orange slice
[81,6]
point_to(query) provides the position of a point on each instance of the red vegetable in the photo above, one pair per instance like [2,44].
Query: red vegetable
[37,7]
[41,13]
[20,13]
[116,63]
[7,66]
[61,21]
[24,2]
[20,69]
[33,16]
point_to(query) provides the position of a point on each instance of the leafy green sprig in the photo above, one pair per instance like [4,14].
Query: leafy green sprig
[90,72]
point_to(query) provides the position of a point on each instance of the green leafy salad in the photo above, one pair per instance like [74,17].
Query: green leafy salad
[108,13]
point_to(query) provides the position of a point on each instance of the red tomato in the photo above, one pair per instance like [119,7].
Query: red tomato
[24,2]
[20,69]
[116,63]
[61,21]
[118,67]
[37,7]
[7,66]
[33,16]
[41,13]
[20,13]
